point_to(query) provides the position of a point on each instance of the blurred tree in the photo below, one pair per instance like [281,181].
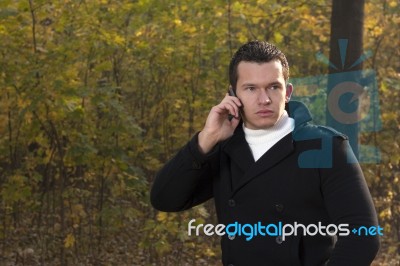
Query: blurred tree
[346,47]
[97,95]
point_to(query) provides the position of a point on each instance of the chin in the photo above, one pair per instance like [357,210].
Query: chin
[261,124]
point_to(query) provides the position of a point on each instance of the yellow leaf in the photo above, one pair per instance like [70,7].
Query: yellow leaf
[278,37]
[139,33]
[178,22]
[242,38]
[209,252]
[162,216]
[69,241]
[119,40]
[3,29]
[377,31]
[393,3]
[387,213]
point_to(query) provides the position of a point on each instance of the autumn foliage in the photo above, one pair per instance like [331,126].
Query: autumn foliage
[97,95]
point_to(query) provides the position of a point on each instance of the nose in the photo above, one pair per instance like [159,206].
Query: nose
[263,97]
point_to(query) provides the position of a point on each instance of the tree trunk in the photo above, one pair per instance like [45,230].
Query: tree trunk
[346,45]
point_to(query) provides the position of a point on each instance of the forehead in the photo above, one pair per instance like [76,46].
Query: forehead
[270,69]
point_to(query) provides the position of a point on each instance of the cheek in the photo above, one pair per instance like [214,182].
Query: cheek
[280,97]
[248,105]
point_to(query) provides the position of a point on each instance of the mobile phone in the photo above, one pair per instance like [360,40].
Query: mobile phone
[231,92]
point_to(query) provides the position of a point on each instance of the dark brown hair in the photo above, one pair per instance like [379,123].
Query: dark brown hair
[259,52]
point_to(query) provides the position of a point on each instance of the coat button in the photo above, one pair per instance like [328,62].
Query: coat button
[279,240]
[279,207]
[231,237]
[196,165]
[231,202]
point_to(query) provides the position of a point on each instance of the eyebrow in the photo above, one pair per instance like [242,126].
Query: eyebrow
[274,83]
[249,85]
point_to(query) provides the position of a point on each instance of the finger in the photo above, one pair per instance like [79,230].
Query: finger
[236,103]
[224,109]
[234,107]
[235,99]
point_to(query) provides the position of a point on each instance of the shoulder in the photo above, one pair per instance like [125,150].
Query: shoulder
[321,147]
[310,131]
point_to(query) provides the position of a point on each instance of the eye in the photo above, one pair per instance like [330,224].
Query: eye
[274,87]
[251,88]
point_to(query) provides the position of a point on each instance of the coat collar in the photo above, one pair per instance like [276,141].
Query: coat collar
[299,112]
[238,149]
[240,153]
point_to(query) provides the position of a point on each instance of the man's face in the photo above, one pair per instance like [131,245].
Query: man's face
[262,90]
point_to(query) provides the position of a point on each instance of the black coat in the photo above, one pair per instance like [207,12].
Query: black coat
[309,176]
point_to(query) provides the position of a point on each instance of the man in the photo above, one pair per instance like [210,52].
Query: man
[261,160]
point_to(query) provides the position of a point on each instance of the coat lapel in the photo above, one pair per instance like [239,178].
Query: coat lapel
[239,151]
[277,153]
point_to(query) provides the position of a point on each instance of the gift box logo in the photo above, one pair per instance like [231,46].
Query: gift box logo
[353,100]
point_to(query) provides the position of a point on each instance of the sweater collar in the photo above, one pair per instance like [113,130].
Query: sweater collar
[296,110]
[283,126]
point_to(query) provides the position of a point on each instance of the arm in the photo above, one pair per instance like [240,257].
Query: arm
[186,180]
[348,201]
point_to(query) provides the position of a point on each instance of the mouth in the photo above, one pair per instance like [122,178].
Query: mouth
[265,113]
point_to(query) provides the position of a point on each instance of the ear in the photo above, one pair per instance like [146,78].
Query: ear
[289,91]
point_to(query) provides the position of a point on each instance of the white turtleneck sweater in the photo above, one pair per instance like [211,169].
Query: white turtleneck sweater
[261,140]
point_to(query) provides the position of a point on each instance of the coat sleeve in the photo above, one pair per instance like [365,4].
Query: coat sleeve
[348,201]
[186,180]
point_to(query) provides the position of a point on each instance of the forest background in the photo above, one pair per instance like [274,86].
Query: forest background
[97,95]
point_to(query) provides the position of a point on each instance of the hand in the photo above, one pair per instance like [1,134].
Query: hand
[218,127]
